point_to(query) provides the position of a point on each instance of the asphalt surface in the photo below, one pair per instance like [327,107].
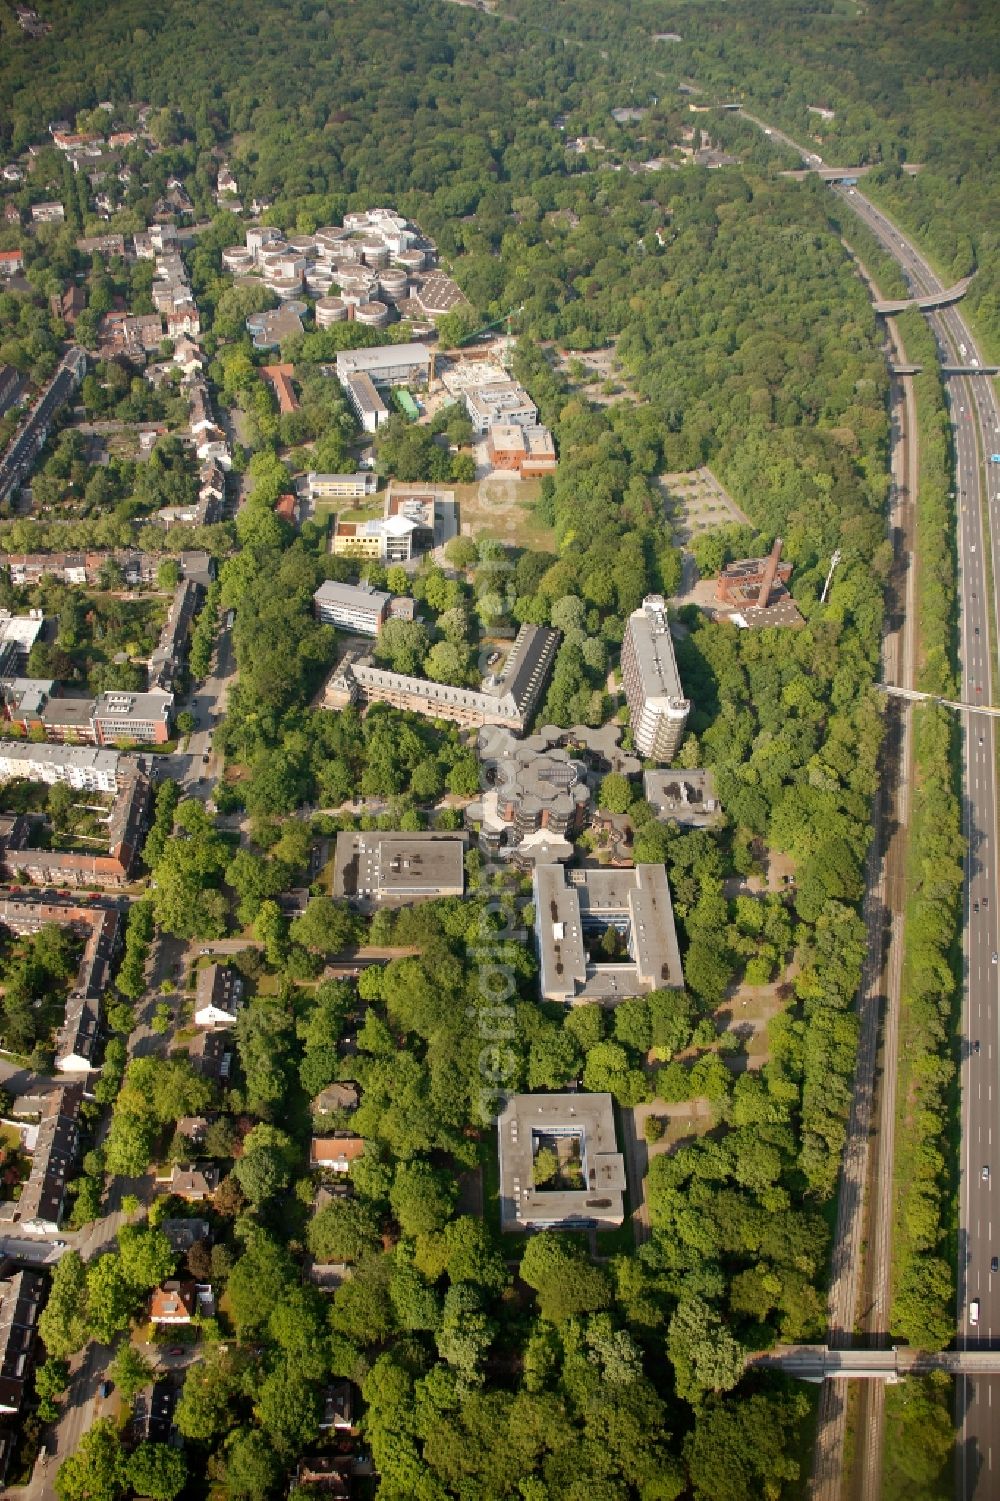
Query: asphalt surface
[975,420]
[28,440]
[83,1403]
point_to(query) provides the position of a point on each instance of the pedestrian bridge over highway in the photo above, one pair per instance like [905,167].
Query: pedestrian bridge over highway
[932,698]
[821,1363]
[926,304]
[895,369]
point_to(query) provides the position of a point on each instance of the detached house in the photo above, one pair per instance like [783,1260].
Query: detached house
[218,996]
[195,1182]
[335,1153]
[173,1303]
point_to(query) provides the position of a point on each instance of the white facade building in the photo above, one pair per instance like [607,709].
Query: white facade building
[83,767]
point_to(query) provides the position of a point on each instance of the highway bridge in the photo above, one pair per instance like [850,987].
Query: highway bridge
[895,369]
[927,303]
[821,1363]
[960,706]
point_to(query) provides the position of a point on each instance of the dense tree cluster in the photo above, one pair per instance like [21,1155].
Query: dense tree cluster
[36,970]
[742,339]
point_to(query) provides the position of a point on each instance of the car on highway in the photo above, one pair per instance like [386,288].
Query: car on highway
[986,901]
[975,1045]
[985,1174]
[975,906]
[993,960]
[994,1264]
[994,457]
[974,1312]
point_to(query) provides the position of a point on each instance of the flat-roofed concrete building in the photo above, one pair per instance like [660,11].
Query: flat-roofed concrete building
[384,538]
[141,717]
[387,365]
[657,706]
[350,607]
[369,408]
[536,797]
[341,486]
[582,1172]
[686,797]
[415,519]
[377,869]
[270,328]
[529,451]
[604,934]
[505,403]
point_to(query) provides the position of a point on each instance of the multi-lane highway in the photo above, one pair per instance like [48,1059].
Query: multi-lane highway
[975,420]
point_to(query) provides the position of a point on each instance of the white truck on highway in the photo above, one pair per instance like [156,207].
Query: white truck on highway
[974,1312]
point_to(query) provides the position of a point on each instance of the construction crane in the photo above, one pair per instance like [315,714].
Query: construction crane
[495,323]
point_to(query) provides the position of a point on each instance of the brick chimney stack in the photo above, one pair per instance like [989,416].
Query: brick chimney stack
[767,583]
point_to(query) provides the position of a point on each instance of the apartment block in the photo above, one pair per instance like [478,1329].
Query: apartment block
[82,767]
[53,1145]
[657,706]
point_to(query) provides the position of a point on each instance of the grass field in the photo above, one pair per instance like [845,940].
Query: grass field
[503,507]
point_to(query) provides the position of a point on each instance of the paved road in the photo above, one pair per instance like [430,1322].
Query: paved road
[815,1362]
[976,426]
[976,429]
[27,442]
[82,1404]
